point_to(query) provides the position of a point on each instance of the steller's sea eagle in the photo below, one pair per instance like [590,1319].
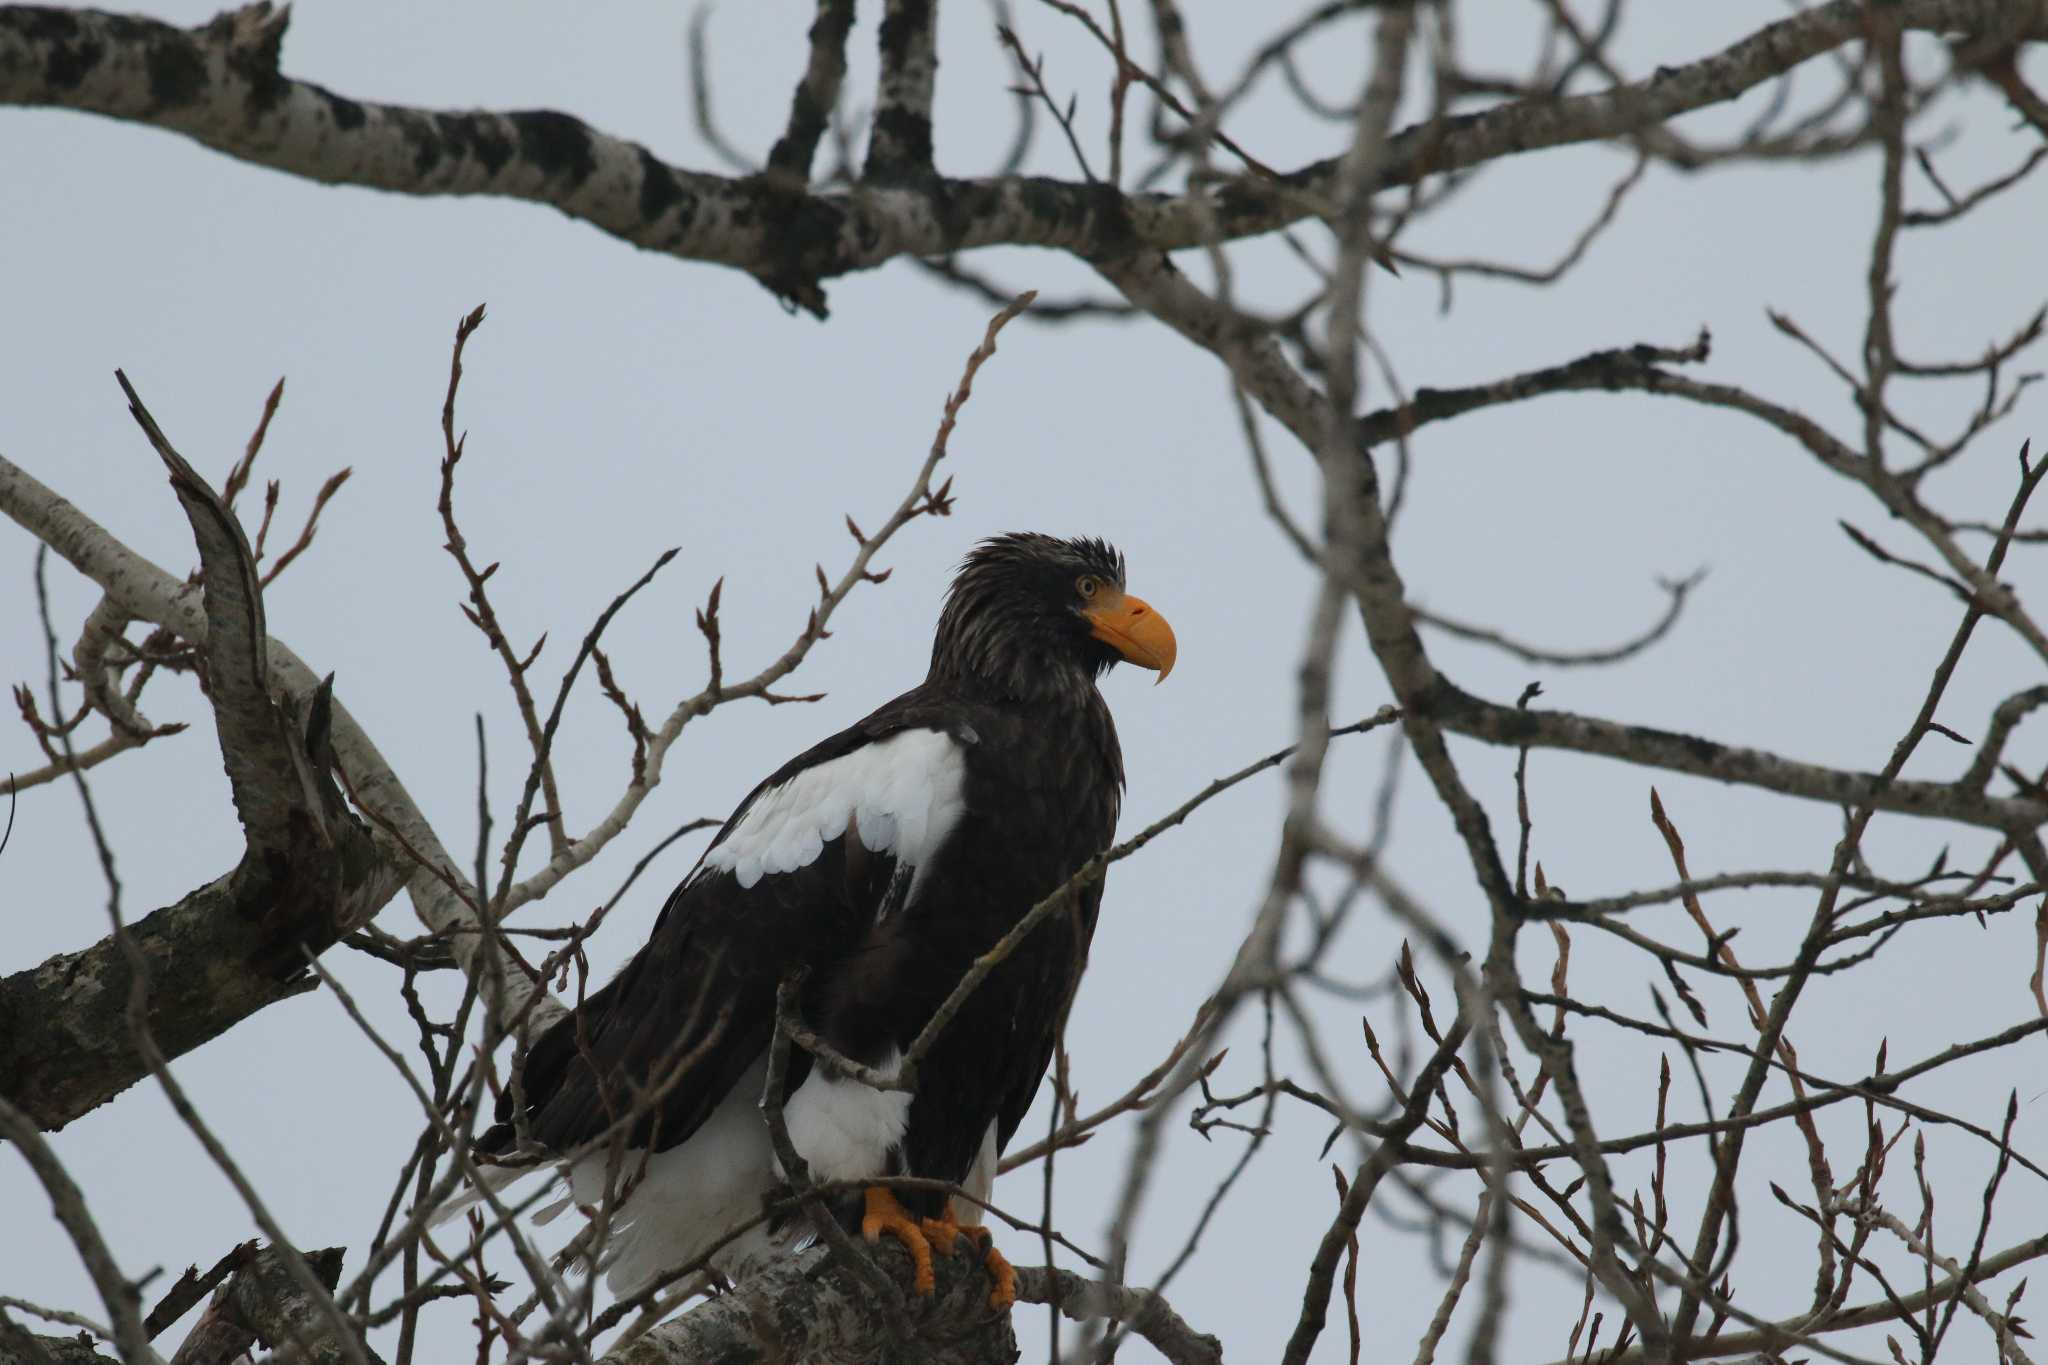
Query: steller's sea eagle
[880,863]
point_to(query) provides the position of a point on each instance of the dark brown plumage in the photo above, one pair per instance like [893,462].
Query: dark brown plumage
[881,862]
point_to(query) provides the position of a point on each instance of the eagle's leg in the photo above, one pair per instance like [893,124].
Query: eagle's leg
[885,1214]
[944,1232]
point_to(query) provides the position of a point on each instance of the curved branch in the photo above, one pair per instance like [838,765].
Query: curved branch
[1674,589]
[266,766]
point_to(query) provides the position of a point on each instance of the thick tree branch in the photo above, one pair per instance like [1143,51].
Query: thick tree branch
[19,1347]
[900,140]
[312,871]
[214,958]
[810,108]
[807,1308]
[265,1303]
[273,780]
[147,593]
[1462,713]
[1146,1313]
[220,84]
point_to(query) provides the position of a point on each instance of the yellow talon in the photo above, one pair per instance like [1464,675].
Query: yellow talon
[945,1234]
[885,1214]
[1003,1276]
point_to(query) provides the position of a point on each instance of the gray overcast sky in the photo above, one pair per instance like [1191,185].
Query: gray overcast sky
[619,403]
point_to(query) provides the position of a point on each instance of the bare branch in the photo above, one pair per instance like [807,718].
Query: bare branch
[900,138]
[119,1294]
[817,94]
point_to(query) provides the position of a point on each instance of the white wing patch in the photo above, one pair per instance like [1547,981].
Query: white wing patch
[903,795]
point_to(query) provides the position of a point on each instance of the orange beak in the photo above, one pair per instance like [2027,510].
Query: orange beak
[1128,625]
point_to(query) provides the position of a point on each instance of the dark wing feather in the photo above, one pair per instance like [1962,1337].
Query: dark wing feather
[696,1006]
[1059,973]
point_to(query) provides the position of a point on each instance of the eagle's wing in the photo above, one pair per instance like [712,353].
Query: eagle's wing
[1061,979]
[798,875]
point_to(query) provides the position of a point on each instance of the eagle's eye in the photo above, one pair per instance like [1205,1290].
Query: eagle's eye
[1086,586]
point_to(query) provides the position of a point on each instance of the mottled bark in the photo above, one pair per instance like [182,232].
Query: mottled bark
[900,142]
[312,872]
[216,957]
[810,108]
[221,84]
[264,1304]
[1462,713]
[21,1347]
[807,1310]
[145,592]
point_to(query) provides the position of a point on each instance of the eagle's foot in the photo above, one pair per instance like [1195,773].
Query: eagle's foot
[885,1214]
[943,1234]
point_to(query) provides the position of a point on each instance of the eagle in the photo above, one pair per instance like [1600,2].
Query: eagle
[874,868]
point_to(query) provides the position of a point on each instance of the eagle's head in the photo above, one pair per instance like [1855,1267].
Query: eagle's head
[1031,615]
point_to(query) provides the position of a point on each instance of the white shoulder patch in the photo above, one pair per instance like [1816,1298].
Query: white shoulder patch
[903,794]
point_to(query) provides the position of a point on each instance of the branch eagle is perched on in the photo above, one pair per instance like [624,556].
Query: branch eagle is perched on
[879,864]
